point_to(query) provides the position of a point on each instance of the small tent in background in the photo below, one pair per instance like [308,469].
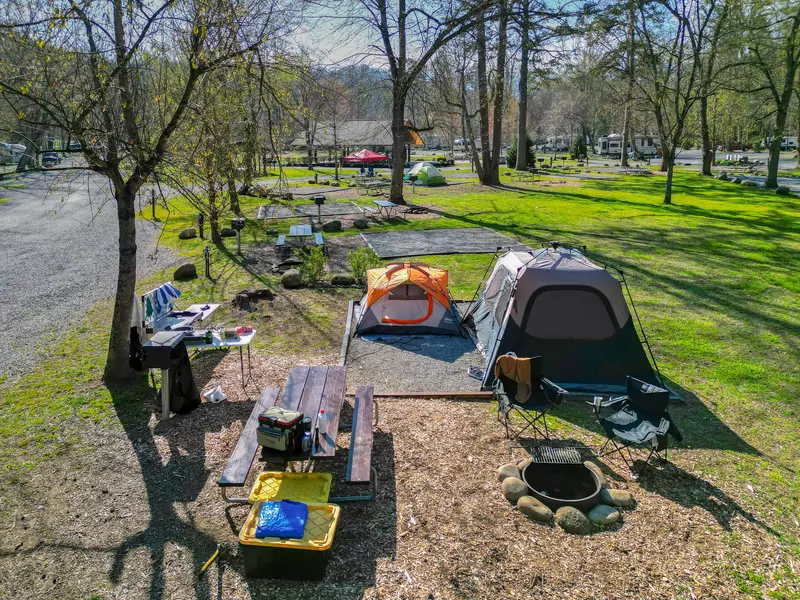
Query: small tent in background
[557,304]
[427,174]
[407,298]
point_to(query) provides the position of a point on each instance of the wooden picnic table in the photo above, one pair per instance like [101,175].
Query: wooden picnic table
[308,390]
[385,208]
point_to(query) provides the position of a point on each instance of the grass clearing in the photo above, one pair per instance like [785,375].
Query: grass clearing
[715,280]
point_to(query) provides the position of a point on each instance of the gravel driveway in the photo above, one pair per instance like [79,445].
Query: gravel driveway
[58,242]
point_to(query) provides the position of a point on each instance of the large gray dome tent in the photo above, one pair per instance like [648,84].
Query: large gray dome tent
[557,304]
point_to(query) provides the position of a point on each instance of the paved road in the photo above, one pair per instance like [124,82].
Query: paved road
[58,242]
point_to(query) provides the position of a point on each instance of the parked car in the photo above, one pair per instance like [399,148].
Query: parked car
[50,159]
[741,146]
[75,145]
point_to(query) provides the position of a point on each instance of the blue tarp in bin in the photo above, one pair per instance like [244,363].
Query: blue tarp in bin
[282,519]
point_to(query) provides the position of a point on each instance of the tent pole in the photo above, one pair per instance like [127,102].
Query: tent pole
[644,335]
[480,283]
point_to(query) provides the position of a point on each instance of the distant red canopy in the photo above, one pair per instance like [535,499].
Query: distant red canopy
[365,156]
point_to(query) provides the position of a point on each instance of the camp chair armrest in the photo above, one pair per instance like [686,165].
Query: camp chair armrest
[600,403]
[552,390]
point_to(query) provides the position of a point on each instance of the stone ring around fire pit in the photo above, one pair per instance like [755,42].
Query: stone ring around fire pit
[576,492]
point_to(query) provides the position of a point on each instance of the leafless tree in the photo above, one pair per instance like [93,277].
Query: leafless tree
[119,78]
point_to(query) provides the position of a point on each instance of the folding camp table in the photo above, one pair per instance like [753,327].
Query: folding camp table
[218,342]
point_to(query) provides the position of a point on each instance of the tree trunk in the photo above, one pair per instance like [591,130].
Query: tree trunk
[664,166]
[670,158]
[522,119]
[233,195]
[309,147]
[483,102]
[626,126]
[117,367]
[469,134]
[522,114]
[774,158]
[499,95]
[708,150]
[398,146]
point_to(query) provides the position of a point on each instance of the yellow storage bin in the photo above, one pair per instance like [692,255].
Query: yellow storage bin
[300,487]
[305,558]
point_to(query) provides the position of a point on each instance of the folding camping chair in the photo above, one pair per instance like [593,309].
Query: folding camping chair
[520,389]
[641,420]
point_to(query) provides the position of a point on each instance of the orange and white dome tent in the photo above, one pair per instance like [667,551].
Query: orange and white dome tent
[407,298]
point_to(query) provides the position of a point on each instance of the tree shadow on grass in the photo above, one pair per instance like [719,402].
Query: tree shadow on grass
[673,483]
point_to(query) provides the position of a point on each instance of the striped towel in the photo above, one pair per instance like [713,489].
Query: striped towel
[159,302]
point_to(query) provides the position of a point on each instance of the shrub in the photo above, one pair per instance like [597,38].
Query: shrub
[362,259]
[511,153]
[579,147]
[312,264]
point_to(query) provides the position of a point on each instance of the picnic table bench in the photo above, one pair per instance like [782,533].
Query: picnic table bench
[307,390]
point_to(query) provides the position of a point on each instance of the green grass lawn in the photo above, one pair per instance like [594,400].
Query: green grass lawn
[715,277]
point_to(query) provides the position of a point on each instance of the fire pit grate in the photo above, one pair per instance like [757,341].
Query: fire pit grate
[555,455]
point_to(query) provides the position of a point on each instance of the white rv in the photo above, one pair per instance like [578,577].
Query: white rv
[789,142]
[643,145]
[11,153]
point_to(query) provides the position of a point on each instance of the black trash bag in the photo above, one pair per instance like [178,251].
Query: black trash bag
[135,354]
[183,394]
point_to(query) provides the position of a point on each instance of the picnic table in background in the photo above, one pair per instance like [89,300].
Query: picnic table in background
[526,175]
[636,171]
[301,231]
[385,208]
[375,188]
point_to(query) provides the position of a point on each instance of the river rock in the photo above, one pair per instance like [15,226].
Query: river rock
[621,498]
[187,271]
[292,279]
[509,470]
[782,190]
[571,520]
[227,232]
[736,180]
[723,176]
[343,279]
[188,234]
[331,226]
[531,507]
[514,488]
[360,224]
[594,468]
[602,514]
[748,183]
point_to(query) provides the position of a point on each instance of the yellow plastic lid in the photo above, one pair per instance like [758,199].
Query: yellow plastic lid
[318,535]
[301,487]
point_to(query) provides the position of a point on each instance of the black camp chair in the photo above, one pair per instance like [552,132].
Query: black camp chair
[641,420]
[544,396]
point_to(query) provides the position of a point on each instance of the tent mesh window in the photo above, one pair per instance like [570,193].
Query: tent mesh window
[409,291]
[571,314]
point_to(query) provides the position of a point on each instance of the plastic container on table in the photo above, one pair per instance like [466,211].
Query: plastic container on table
[301,487]
[304,559]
